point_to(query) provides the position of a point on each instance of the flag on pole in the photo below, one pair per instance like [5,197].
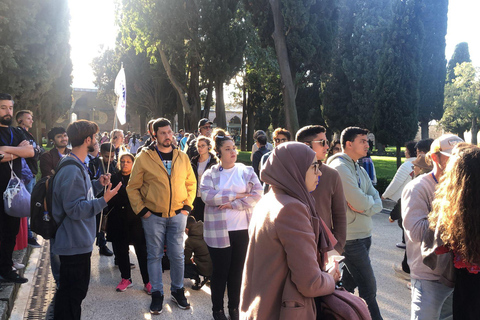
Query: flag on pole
[121,92]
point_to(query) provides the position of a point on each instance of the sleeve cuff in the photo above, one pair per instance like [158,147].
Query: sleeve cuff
[187,208]
[143,212]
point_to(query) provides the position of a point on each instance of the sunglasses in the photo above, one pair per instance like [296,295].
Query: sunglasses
[207,127]
[281,140]
[316,167]
[321,142]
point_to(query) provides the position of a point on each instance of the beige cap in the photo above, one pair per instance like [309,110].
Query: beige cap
[421,163]
[445,144]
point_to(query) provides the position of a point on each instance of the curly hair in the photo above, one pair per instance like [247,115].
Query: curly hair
[456,212]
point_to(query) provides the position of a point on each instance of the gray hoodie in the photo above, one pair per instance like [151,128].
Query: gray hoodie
[74,201]
[360,193]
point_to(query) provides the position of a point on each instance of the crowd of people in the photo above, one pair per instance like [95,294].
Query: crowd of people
[269,234]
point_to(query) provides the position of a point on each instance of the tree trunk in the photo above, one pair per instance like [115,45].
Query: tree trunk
[221,121]
[380,149]
[424,129]
[143,122]
[288,89]
[474,130]
[181,116]
[399,156]
[243,136]
[251,124]
[461,135]
[191,119]
[208,100]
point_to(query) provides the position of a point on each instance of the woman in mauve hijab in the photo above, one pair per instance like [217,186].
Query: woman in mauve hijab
[288,245]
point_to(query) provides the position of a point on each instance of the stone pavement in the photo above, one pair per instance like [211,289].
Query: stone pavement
[104,303]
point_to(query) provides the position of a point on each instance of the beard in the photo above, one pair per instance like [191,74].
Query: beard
[6,120]
[167,144]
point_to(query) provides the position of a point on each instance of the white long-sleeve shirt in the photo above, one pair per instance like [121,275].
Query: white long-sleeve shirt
[403,176]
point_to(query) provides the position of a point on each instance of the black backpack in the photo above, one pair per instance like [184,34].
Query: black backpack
[41,218]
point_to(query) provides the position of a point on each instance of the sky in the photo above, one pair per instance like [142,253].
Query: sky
[92,26]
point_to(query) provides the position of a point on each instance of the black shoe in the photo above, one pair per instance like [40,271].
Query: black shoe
[179,298]
[14,277]
[219,315]
[32,242]
[157,303]
[104,251]
[234,314]
[132,266]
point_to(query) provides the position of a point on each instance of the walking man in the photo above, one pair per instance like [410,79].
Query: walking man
[13,146]
[74,208]
[161,189]
[363,202]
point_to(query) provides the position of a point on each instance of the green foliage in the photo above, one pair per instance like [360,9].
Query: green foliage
[460,54]
[461,99]
[432,83]
[396,107]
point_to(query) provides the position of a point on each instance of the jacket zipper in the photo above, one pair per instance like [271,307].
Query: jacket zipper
[170,184]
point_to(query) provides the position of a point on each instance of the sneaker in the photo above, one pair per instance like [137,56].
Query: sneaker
[32,242]
[132,266]
[123,285]
[179,298]
[104,251]
[234,314]
[18,265]
[157,303]
[219,315]
[400,273]
[401,245]
[148,288]
[14,277]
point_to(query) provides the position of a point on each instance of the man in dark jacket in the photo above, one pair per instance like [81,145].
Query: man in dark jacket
[50,159]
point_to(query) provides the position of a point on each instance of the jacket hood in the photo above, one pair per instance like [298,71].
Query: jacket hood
[343,157]
[196,230]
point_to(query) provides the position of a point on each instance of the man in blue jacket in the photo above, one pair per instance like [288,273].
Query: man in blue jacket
[74,207]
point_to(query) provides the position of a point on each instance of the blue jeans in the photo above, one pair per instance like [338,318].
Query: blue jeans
[158,233]
[358,272]
[431,300]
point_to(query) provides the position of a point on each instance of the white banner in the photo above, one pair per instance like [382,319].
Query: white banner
[121,92]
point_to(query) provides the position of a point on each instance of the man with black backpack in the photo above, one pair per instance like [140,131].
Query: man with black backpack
[74,208]
[13,147]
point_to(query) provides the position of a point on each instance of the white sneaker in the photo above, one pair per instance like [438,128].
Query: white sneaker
[400,273]
[18,265]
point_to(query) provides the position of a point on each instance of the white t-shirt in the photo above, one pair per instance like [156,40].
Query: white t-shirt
[201,166]
[232,179]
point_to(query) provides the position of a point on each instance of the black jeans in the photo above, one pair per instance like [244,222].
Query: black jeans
[101,241]
[120,249]
[74,281]
[9,227]
[227,270]
[466,295]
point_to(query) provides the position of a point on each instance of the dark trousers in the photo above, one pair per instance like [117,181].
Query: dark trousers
[74,281]
[120,249]
[9,227]
[466,296]
[101,241]
[227,270]
[198,209]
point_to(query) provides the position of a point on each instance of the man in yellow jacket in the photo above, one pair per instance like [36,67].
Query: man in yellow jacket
[161,190]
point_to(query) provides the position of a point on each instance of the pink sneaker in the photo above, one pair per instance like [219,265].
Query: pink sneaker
[148,288]
[123,285]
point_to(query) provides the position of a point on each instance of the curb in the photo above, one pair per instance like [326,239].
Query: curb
[8,291]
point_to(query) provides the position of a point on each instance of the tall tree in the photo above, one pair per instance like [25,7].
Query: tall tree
[461,101]
[460,54]
[432,80]
[397,96]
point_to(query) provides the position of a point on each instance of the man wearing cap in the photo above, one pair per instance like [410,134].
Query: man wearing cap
[432,290]
[258,133]
[205,129]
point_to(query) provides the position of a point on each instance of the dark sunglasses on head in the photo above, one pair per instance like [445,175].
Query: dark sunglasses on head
[321,142]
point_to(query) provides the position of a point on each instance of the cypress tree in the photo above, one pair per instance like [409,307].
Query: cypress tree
[460,55]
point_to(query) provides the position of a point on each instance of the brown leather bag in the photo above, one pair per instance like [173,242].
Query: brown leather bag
[342,305]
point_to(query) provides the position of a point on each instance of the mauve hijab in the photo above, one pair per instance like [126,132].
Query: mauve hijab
[286,169]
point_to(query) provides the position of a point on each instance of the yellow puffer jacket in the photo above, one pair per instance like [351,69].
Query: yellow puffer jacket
[150,188]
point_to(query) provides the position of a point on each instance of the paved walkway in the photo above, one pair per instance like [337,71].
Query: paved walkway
[104,303]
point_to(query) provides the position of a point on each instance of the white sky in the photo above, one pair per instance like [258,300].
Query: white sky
[92,25]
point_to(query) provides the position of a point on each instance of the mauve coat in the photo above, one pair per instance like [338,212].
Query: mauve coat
[282,274]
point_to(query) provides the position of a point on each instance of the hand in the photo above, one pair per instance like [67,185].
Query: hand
[351,207]
[242,195]
[184,212]
[24,143]
[110,193]
[390,219]
[334,271]
[225,206]
[104,179]
[146,215]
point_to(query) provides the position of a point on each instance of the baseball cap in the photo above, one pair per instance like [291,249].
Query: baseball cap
[421,163]
[445,144]
[203,122]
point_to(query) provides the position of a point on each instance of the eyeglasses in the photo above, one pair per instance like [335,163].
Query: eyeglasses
[316,167]
[280,140]
[207,127]
[321,142]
